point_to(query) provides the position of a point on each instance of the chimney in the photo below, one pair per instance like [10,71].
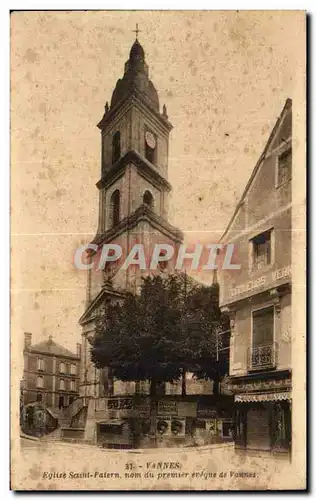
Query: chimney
[27,340]
[78,350]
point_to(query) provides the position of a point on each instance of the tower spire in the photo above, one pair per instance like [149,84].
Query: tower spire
[137,31]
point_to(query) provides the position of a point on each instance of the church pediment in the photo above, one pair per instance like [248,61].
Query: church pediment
[94,308]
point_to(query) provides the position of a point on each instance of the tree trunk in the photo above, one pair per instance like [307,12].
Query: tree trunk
[216,386]
[153,407]
[183,383]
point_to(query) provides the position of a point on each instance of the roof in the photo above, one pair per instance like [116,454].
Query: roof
[51,347]
[135,76]
[287,105]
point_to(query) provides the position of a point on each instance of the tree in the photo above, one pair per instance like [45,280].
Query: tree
[170,328]
[208,335]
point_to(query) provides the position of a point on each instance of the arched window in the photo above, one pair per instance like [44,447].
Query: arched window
[163,264]
[148,199]
[115,208]
[62,368]
[116,146]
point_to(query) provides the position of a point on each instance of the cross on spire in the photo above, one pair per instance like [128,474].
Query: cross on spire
[137,31]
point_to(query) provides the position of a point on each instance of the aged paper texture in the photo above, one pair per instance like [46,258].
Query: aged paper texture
[158,250]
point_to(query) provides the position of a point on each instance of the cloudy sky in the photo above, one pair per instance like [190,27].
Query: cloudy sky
[224,77]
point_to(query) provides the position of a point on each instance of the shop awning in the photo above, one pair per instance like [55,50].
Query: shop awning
[271,396]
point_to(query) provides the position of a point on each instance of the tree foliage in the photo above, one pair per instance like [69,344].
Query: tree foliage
[169,328]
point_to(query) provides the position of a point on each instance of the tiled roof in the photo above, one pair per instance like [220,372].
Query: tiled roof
[51,347]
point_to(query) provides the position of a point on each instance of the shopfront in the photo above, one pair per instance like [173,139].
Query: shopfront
[263,422]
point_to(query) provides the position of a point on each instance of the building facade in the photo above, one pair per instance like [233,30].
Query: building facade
[51,374]
[257,297]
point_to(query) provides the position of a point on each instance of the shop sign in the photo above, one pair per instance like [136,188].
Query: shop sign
[120,404]
[263,385]
[252,285]
[167,408]
[143,406]
[187,408]
[206,413]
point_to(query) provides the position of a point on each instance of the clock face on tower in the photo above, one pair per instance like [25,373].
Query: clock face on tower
[150,139]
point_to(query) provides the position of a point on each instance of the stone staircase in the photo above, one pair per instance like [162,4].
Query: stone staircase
[64,417]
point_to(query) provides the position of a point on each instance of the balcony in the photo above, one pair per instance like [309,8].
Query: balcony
[262,357]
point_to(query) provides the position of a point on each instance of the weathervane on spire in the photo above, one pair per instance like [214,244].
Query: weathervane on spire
[136,31]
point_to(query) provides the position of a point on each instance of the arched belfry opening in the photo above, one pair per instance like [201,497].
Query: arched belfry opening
[116,146]
[115,208]
[148,199]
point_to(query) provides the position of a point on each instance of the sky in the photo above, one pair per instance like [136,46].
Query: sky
[224,77]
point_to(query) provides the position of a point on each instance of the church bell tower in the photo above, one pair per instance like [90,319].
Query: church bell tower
[134,138]
[133,192]
[134,187]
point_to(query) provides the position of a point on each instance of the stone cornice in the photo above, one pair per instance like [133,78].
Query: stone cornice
[134,97]
[66,376]
[141,164]
[142,213]
[50,355]
[264,375]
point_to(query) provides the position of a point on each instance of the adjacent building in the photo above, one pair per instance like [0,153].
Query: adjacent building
[257,297]
[51,374]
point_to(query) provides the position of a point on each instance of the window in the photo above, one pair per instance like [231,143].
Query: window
[148,199]
[284,167]
[62,368]
[40,382]
[116,146]
[262,326]
[72,385]
[62,384]
[39,397]
[261,250]
[115,208]
[40,364]
[73,369]
[263,351]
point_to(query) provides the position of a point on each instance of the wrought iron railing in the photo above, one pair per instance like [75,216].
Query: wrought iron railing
[263,356]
